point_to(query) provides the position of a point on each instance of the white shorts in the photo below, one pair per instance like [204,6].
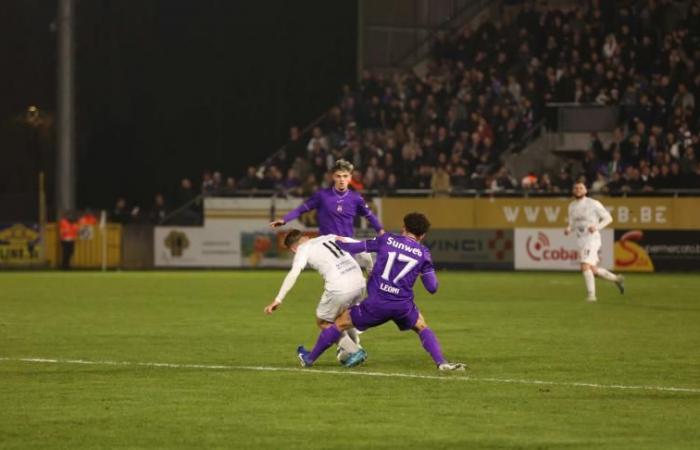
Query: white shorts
[334,303]
[589,246]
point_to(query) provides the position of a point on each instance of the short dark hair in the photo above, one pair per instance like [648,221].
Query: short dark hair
[292,238]
[416,223]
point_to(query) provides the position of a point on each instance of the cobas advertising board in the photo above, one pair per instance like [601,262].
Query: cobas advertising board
[551,249]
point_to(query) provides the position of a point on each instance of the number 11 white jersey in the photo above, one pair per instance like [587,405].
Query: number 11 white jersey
[339,270]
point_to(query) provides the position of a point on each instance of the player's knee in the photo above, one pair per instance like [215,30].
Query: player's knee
[322,324]
[420,324]
[344,321]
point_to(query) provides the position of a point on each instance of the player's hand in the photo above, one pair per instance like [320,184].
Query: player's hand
[591,229]
[277,223]
[380,232]
[272,307]
[567,231]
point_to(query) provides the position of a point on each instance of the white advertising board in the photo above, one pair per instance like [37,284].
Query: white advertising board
[550,249]
[211,246]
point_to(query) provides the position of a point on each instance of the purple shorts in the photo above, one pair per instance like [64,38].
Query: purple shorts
[372,312]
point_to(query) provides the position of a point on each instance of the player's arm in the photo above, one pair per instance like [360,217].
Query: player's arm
[569,226]
[604,217]
[312,203]
[300,259]
[428,277]
[356,247]
[363,210]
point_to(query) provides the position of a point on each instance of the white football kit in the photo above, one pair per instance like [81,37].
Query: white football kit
[582,214]
[344,283]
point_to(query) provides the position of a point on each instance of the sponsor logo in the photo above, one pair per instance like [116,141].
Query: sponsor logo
[19,244]
[499,244]
[177,243]
[404,247]
[631,256]
[538,249]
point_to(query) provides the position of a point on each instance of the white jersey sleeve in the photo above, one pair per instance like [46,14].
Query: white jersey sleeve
[301,257]
[604,217]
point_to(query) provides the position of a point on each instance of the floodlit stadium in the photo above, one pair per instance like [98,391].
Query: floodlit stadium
[361,224]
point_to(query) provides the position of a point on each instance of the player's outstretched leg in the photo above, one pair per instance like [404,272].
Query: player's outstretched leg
[432,346]
[326,338]
[619,280]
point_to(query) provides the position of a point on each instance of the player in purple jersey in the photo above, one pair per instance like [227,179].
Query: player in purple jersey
[401,259]
[336,209]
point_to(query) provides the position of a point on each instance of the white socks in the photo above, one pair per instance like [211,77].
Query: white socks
[589,278]
[605,273]
[354,335]
[347,344]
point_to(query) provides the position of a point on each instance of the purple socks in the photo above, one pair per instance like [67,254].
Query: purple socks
[431,345]
[328,337]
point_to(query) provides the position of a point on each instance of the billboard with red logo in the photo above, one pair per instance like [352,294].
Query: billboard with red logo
[654,250]
[551,249]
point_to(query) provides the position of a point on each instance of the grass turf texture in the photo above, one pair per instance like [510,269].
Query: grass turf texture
[526,326]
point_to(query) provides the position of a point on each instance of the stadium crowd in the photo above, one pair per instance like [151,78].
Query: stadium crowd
[484,91]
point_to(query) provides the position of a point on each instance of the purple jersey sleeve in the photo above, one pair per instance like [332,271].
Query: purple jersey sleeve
[312,203]
[354,248]
[364,211]
[430,282]
[427,271]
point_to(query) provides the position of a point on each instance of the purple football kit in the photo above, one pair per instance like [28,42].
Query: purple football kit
[336,211]
[400,260]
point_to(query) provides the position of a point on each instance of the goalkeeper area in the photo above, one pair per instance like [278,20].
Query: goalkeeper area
[188,359]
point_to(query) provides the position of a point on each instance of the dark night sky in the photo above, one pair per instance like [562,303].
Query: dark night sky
[168,88]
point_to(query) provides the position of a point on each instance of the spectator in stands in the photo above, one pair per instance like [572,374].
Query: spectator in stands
[318,141]
[190,212]
[545,184]
[292,184]
[600,184]
[250,180]
[563,182]
[229,187]
[159,211]
[440,182]
[503,180]
[120,212]
[208,187]
[295,146]
[309,186]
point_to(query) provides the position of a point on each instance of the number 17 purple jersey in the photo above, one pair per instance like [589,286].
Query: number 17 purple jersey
[400,260]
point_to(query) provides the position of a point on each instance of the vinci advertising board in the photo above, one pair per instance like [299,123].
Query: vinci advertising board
[551,249]
[480,249]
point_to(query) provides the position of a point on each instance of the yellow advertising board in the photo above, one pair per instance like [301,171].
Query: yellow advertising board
[19,244]
[651,213]
[449,213]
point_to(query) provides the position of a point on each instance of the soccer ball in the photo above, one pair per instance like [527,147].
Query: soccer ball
[342,355]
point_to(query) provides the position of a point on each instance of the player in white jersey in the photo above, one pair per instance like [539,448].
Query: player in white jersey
[586,218]
[344,285]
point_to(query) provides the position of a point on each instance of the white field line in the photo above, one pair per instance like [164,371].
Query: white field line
[444,377]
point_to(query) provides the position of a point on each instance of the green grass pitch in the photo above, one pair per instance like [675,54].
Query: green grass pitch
[547,369]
